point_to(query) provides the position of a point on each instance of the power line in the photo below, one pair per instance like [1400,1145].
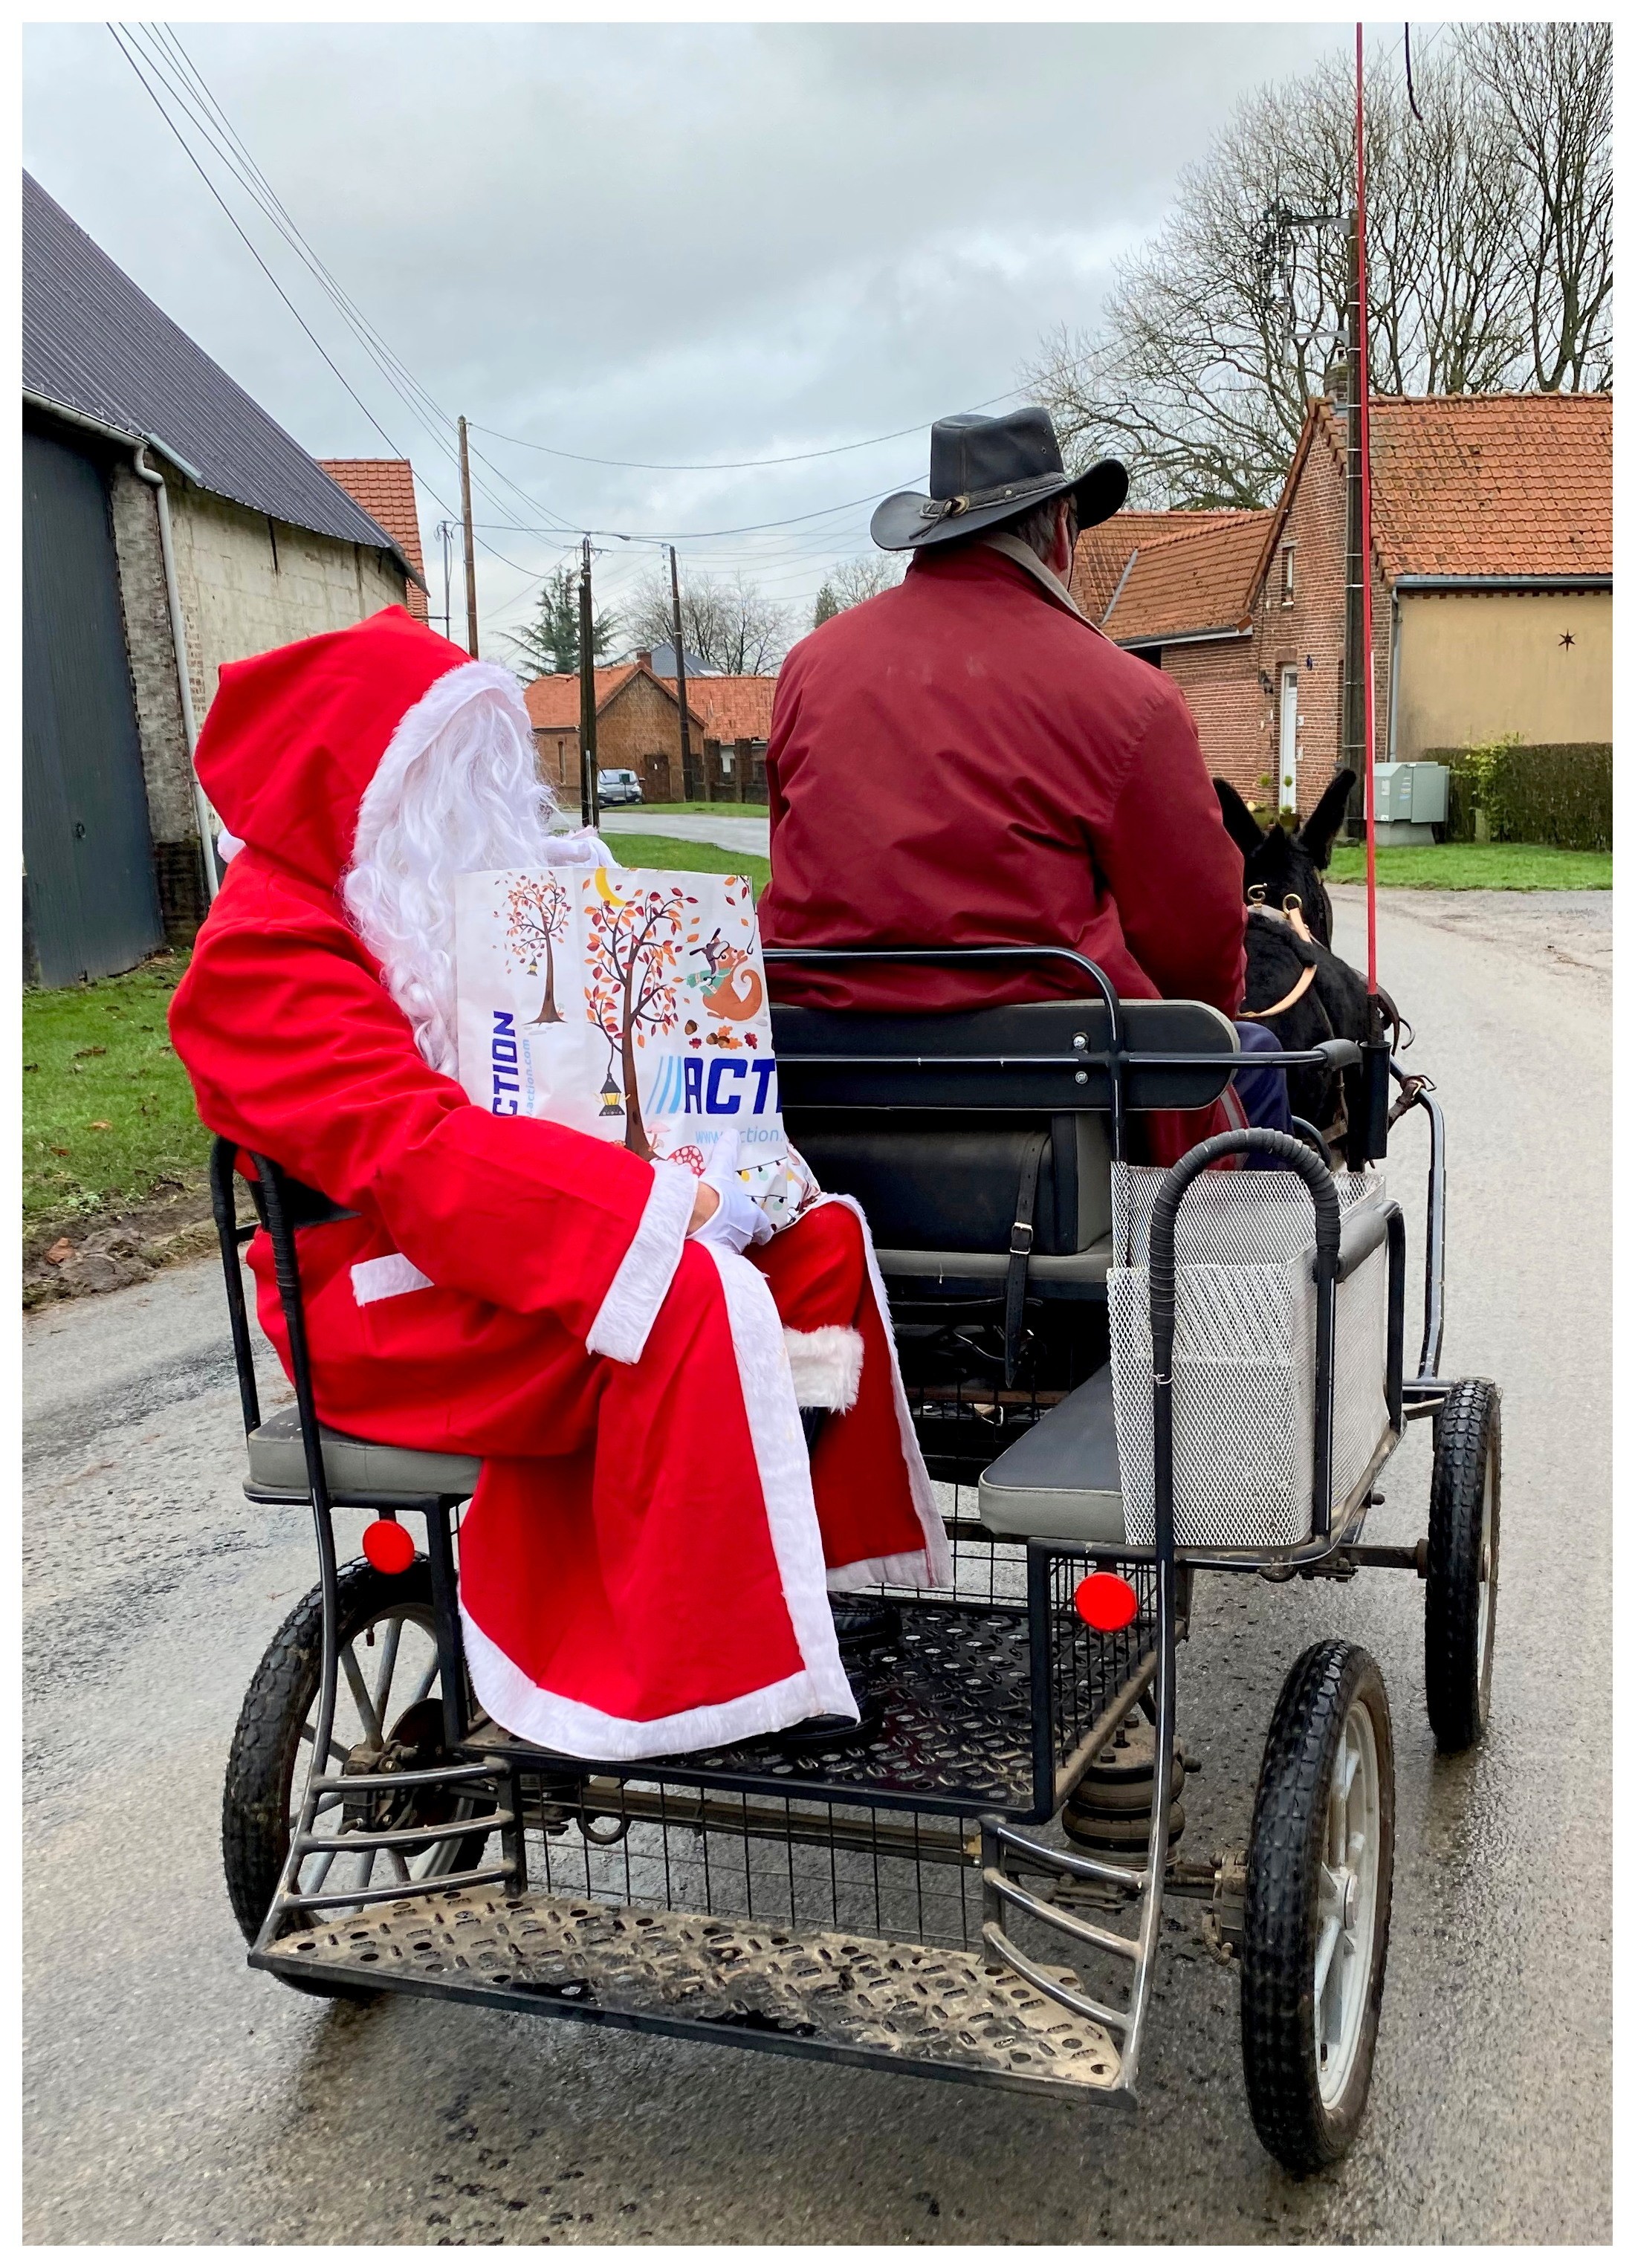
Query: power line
[735,465]
[241,163]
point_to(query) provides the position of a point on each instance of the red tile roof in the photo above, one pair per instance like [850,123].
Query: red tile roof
[1103,551]
[553,702]
[385,487]
[1200,579]
[1490,485]
[733,707]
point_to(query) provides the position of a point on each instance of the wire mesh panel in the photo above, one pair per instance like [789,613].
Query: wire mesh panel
[1245,1356]
[789,1864]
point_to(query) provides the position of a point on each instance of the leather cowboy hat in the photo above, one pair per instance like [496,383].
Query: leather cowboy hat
[986,469]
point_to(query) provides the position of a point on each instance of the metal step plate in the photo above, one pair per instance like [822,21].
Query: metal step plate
[849,2000]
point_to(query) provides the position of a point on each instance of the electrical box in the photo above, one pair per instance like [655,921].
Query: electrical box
[1410,795]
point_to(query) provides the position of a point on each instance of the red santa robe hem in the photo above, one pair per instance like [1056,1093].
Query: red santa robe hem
[553,1721]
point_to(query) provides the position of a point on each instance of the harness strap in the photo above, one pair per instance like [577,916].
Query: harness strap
[1259,1015]
[1021,1248]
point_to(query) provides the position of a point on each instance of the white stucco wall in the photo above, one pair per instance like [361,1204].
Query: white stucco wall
[248,584]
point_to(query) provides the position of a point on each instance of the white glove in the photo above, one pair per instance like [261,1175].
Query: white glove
[737,1220]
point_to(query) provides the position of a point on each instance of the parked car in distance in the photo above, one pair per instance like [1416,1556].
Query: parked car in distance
[619,787]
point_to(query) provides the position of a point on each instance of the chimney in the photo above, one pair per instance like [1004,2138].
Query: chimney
[644,657]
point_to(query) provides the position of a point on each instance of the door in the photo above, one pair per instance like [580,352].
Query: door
[1289,742]
[92,899]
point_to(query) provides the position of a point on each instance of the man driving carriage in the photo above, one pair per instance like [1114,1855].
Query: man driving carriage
[1016,778]
[647,1562]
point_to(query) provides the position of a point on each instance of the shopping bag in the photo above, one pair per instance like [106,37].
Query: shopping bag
[630,1004]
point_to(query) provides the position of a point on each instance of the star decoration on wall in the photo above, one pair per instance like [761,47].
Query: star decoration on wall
[1566,638]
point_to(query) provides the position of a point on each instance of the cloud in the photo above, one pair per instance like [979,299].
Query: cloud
[664,242]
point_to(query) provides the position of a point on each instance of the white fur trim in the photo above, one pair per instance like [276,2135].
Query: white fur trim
[935,1567]
[645,1274]
[819,1688]
[417,727]
[387,1277]
[827,1365]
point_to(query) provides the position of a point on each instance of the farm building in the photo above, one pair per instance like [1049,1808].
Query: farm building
[169,526]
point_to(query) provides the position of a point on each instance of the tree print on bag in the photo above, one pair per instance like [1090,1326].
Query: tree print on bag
[632,986]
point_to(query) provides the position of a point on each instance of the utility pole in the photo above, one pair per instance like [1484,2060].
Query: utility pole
[590,802]
[471,557]
[680,670]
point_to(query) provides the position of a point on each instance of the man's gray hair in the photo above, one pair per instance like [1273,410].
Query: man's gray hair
[1036,528]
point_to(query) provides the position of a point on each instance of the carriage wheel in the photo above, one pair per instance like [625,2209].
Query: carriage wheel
[1462,1565]
[1317,1910]
[387,1711]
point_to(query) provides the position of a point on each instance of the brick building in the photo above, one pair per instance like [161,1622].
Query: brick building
[1492,584]
[638,729]
[385,487]
[729,761]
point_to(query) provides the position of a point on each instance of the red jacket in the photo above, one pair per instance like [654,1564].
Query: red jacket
[964,762]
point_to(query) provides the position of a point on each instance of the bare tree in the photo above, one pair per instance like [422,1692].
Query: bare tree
[1217,333]
[853,581]
[1552,84]
[734,626]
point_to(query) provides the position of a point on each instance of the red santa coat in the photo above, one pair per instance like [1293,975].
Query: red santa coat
[644,1566]
[965,761]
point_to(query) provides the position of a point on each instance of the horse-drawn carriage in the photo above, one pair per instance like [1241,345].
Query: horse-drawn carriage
[1131,1378]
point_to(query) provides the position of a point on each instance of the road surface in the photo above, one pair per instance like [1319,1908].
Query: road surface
[172,2097]
[691,827]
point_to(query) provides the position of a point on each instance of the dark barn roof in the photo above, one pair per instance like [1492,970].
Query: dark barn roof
[93,341]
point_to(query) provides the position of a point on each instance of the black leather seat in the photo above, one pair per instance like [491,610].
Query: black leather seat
[927,1121]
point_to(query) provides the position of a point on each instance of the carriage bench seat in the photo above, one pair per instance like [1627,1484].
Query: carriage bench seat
[351,1464]
[1061,1479]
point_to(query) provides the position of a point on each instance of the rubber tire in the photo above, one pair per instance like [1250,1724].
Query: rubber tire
[267,1740]
[1456,1694]
[1280,1908]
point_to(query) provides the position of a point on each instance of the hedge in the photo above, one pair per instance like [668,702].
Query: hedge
[1560,793]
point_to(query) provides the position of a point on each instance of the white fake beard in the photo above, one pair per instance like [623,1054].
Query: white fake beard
[457,792]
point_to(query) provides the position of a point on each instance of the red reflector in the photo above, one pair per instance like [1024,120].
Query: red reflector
[1106,1602]
[388,1548]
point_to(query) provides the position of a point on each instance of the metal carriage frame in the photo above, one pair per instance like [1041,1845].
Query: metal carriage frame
[998,1699]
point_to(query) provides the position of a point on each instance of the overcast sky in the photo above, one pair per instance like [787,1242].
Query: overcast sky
[683,245]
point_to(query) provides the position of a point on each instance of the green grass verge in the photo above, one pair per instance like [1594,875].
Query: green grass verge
[108,1111]
[690,858]
[1475,867]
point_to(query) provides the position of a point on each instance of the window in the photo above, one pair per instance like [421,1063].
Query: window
[726,761]
[1285,573]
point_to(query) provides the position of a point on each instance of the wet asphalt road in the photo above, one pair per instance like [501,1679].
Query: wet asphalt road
[172,2096]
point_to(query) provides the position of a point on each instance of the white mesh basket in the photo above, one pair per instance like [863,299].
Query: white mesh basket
[1244,1370]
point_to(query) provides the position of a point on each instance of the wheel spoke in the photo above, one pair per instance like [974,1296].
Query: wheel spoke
[427,1679]
[361,1695]
[337,1754]
[1327,1943]
[389,1663]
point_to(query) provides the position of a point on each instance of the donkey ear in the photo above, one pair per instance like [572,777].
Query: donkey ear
[1317,836]
[1240,821]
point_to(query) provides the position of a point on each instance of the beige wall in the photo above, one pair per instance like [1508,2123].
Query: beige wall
[1474,666]
[248,584]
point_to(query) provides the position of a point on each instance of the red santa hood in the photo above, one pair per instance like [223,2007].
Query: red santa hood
[295,738]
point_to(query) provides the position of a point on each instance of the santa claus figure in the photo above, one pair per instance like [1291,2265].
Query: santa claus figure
[650,1562]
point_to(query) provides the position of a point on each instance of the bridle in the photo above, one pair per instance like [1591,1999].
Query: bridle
[1293,912]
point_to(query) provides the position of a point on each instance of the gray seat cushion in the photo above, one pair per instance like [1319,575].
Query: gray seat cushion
[1061,1479]
[373,1468]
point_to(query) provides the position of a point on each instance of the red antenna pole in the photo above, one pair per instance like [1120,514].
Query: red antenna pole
[1361,412]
